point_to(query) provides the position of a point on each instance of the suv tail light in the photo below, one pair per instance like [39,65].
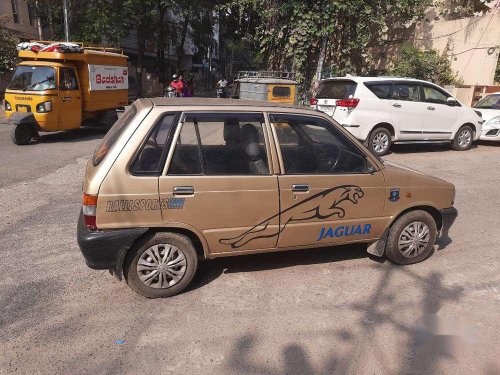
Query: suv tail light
[89,210]
[313,101]
[350,103]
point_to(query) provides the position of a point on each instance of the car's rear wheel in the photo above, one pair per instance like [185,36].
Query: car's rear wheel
[380,141]
[463,139]
[162,266]
[411,238]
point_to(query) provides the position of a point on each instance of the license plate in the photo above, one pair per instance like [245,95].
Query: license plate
[22,109]
[326,108]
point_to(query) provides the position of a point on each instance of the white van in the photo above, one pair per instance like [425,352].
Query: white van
[382,110]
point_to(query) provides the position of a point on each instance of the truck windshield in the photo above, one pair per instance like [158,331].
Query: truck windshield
[33,78]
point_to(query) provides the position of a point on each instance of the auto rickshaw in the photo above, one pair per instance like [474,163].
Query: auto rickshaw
[272,86]
[57,86]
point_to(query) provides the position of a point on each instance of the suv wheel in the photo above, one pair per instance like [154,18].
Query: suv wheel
[463,139]
[162,266]
[380,141]
[411,238]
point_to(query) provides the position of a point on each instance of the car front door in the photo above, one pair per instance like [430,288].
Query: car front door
[407,111]
[329,191]
[440,117]
[70,100]
[218,181]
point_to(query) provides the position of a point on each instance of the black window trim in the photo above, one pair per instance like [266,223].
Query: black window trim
[184,114]
[376,83]
[368,159]
[166,147]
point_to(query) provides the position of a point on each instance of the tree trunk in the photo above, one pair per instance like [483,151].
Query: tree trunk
[321,58]
[180,47]
[160,43]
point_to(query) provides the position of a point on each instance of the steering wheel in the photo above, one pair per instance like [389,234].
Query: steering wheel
[328,156]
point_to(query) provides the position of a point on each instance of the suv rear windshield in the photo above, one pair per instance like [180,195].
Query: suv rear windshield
[112,135]
[336,89]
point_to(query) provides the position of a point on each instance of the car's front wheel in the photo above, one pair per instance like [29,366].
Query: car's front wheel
[162,266]
[380,141]
[463,139]
[411,238]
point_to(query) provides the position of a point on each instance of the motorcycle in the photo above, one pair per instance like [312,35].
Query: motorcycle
[221,92]
[170,92]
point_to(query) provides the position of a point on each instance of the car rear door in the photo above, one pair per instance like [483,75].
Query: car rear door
[407,110]
[218,181]
[440,118]
[329,192]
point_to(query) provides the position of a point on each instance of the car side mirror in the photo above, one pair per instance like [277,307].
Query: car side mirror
[451,101]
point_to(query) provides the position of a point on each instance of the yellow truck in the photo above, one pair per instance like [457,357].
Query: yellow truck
[56,89]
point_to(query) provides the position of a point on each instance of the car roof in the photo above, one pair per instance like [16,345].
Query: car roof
[376,79]
[216,102]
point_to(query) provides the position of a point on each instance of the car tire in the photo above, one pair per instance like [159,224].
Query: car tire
[413,228]
[380,141]
[463,139]
[151,258]
[21,134]
[108,119]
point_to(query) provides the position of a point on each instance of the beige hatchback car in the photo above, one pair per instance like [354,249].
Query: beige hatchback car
[180,180]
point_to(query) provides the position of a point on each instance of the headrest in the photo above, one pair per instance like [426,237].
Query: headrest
[232,131]
[250,138]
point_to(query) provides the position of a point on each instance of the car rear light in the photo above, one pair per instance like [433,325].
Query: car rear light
[89,210]
[350,103]
[313,101]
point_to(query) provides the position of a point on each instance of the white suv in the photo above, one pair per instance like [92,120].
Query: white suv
[383,110]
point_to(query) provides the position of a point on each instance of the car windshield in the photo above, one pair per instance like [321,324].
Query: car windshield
[489,102]
[336,89]
[33,78]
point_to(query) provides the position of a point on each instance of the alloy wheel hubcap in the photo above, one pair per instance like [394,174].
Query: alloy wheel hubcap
[414,239]
[464,138]
[161,266]
[380,142]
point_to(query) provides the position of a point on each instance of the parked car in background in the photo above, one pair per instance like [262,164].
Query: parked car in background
[383,110]
[181,180]
[489,107]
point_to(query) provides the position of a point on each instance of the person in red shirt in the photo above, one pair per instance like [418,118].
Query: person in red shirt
[177,84]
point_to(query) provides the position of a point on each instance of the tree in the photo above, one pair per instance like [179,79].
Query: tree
[8,52]
[427,65]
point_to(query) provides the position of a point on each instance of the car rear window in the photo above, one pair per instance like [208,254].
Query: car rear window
[113,134]
[281,91]
[336,89]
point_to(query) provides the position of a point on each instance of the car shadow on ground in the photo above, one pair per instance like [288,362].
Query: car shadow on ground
[75,135]
[410,148]
[210,270]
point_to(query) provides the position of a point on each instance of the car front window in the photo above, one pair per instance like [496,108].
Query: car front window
[489,102]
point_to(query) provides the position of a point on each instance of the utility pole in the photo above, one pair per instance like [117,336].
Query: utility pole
[66,27]
[38,21]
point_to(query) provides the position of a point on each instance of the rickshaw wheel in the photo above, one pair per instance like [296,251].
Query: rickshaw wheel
[21,134]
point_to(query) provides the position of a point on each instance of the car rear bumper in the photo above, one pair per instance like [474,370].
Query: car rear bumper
[106,249]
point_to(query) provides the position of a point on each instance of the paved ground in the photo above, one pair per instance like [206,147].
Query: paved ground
[309,312]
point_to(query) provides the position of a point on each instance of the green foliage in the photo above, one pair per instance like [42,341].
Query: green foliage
[8,52]
[497,71]
[426,65]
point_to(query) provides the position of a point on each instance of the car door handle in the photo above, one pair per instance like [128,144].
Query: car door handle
[431,108]
[302,188]
[397,105]
[183,190]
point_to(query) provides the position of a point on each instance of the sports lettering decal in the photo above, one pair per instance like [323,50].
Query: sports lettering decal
[319,206]
[144,204]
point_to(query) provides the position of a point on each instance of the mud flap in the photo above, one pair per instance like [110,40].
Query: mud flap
[378,248]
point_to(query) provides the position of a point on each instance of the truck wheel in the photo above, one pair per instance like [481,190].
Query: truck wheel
[108,119]
[380,141]
[463,139]
[21,134]
[162,266]
[411,238]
